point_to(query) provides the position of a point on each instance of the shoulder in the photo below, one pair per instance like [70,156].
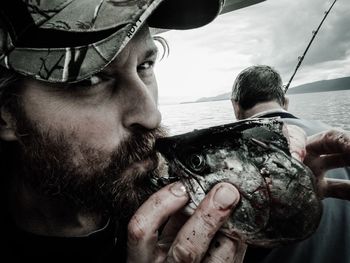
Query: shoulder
[309,126]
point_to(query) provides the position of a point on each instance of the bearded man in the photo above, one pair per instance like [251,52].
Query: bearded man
[79,119]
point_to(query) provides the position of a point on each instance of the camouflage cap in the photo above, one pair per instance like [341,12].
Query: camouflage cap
[70,40]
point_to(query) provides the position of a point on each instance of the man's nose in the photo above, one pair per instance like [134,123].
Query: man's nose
[141,105]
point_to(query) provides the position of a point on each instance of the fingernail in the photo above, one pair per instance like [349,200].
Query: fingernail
[225,197]
[178,189]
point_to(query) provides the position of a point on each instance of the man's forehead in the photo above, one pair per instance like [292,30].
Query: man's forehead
[141,46]
[143,39]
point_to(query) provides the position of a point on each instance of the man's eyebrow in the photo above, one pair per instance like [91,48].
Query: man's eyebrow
[152,52]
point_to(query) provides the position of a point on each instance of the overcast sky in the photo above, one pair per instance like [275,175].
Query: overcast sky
[204,62]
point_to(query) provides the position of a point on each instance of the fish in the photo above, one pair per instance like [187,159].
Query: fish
[278,203]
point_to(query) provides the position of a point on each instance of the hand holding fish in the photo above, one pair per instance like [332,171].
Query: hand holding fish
[325,151]
[280,199]
[322,152]
[184,239]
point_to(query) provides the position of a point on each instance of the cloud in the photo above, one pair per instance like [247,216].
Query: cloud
[204,62]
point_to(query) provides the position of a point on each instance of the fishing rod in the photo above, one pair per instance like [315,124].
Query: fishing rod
[314,33]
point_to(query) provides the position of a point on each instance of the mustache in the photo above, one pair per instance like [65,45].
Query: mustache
[131,190]
[138,146]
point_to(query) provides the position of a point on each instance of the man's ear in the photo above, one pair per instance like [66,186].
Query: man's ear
[7,126]
[286,103]
[236,108]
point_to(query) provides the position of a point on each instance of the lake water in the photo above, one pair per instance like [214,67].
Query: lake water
[332,108]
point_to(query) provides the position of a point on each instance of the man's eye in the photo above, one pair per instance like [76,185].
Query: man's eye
[146,65]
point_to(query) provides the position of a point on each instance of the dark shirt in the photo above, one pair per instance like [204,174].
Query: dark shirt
[98,247]
[17,245]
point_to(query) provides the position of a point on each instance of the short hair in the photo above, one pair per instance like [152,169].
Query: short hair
[258,84]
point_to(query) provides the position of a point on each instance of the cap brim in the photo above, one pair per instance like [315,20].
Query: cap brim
[49,58]
[231,5]
[185,14]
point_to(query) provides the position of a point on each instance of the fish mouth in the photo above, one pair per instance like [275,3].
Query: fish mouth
[166,146]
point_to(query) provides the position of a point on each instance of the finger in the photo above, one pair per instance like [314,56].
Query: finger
[337,188]
[329,142]
[168,235]
[333,161]
[223,249]
[194,238]
[319,165]
[143,226]
[171,229]
[241,248]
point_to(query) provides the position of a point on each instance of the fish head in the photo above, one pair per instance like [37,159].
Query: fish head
[278,201]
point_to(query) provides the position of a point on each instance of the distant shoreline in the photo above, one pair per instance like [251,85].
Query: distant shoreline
[298,93]
[313,87]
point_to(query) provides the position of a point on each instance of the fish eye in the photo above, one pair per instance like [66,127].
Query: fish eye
[196,162]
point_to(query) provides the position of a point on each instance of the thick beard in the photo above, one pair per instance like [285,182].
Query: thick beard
[94,184]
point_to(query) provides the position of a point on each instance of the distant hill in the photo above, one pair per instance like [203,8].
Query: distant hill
[323,85]
[225,96]
[318,86]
